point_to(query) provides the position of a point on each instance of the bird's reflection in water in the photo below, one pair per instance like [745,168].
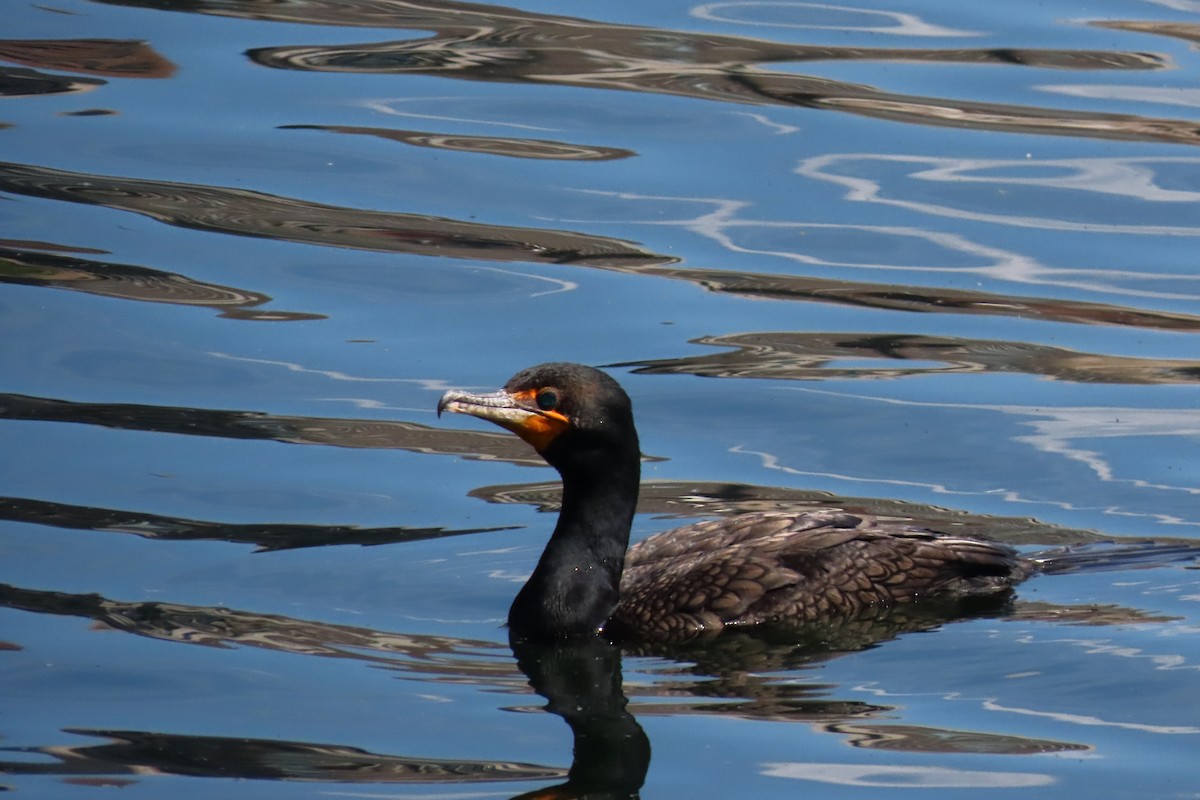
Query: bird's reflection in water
[582,683]
[761,674]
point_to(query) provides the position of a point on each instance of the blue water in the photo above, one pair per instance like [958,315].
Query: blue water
[933,261]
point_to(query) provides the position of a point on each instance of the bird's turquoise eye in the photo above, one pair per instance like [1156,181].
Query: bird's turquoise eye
[547,400]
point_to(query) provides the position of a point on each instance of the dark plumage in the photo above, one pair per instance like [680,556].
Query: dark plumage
[790,568]
[797,568]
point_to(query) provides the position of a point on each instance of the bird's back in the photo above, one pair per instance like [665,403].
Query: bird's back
[797,568]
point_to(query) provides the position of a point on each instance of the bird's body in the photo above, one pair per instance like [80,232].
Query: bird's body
[797,569]
[700,579]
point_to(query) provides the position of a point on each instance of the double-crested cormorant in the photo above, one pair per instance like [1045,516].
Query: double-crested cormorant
[773,567]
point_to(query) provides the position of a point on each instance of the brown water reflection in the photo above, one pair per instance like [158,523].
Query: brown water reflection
[540,149]
[489,43]
[213,626]
[247,213]
[665,499]
[1187,31]
[745,668]
[459,660]
[144,753]
[22,245]
[129,282]
[675,498]
[112,58]
[266,537]
[580,682]
[815,356]
[934,299]
[741,675]
[329,431]
[690,499]
[483,43]
[916,739]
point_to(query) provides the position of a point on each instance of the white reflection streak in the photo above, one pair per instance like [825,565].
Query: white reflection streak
[1105,423]
[1086,719]
[1162,95]
[1177,5]
[762,119]
[903,24]
[904,776]
[712,225]
[991,704]
[384,107]
[1164,662]
[771,461]
[563,285]
[508,575]
[1005,265]
[1055,427]
[432,384]
[1106,176]
[1173,590]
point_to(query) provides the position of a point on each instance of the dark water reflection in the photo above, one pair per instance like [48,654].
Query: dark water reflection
[110,58]
[736,676]
[142,753]
[809,356]
[581,682]
[15,82]
[245,213]
[129,282]
[488,145]
[268,536]
[486,43]
[744,675]
[481,43]
[358,433]
[969,300]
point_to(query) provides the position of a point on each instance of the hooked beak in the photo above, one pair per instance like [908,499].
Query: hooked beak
[515,412]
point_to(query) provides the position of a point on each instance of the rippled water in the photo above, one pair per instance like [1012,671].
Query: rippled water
[935,261]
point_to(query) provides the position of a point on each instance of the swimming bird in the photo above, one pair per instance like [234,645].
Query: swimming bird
[699,579]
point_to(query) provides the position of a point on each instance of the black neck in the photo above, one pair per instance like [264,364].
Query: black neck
[576,584]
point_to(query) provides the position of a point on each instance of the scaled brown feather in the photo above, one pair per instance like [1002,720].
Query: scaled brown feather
[797,568]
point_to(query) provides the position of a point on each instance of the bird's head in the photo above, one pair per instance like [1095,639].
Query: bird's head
[559,408]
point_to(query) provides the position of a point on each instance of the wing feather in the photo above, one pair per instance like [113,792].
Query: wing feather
[809,566]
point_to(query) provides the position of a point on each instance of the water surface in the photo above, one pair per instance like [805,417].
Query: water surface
[933,261]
